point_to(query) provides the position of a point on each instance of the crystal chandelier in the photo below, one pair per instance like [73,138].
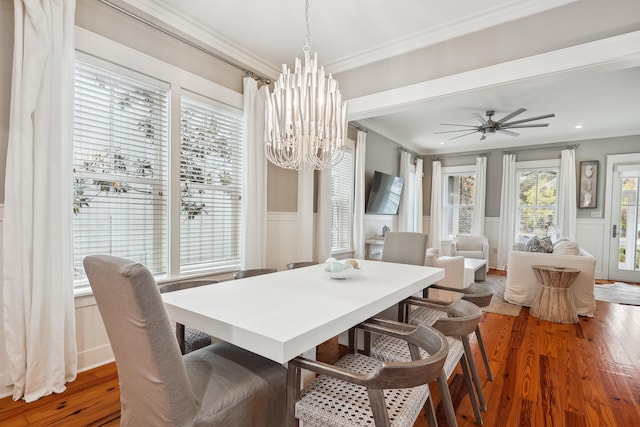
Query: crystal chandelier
[306,120]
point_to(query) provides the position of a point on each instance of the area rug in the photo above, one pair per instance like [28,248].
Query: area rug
[621,293]
[498,305]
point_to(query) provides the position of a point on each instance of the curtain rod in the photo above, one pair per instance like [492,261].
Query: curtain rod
[358,127]
[541,147]
[476,154]
[402,148]
[155,26]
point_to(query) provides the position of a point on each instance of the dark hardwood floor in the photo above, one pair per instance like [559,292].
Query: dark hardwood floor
[546,374]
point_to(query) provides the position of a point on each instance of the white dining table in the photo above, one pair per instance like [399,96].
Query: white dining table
[282,315]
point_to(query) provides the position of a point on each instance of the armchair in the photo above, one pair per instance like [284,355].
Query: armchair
[453,274]
[470,246]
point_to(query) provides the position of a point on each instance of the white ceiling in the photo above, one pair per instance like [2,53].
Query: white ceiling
[351,33]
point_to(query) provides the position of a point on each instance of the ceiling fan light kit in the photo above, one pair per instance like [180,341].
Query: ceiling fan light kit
[489,126]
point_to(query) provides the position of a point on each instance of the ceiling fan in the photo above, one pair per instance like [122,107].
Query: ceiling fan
[503,125]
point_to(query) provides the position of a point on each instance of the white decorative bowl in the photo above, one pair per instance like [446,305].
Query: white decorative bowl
[344,274]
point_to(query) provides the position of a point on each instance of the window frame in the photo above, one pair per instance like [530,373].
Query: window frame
[350,147]
[93,48]
[538,166]
[466,170]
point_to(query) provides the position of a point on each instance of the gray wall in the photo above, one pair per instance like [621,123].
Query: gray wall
[596,149]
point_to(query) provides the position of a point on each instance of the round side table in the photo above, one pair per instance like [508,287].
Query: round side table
[553,301]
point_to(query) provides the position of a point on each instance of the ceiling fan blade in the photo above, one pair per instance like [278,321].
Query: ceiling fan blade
[454,124]
[512,115]
[460,136]
[538,125]
[545,116]
[506,132]
[458,130]
[479,117]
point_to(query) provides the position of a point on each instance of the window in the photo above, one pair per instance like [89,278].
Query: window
[342,180]
[120,168]
[166,194]
[459,193]
[538,201]
[210,185]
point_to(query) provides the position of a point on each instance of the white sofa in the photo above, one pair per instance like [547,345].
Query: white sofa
[522,285]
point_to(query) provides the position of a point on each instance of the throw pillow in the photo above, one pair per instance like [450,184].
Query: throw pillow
[547,245]
[537,244]
[566,248]
[434,251]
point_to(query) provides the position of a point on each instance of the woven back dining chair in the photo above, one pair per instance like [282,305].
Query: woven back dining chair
[456,321]
[361,391]
[189,339]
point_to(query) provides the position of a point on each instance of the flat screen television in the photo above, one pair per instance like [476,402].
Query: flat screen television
[384,197]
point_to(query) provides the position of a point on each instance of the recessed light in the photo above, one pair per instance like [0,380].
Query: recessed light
[578,126]
[442,143]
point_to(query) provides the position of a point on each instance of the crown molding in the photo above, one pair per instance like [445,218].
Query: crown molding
[209,37]
[490,17]
[446,31]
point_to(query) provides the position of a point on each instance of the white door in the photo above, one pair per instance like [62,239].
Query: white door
[624,253]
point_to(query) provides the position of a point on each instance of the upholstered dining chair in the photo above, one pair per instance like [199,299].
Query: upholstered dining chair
[253,272]
[360,390]
[481,296]
[456,321]
[220,384]
[189,339]
[293,265]
[405,247]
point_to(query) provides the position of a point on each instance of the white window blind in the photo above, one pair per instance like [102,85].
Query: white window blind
[458,203]
[210,185]
[342,203]
[538,205]
[120,168]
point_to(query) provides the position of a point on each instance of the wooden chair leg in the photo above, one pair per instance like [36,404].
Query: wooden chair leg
[445,398]
[474,371]
[430,412]
[483,352]
[472,393]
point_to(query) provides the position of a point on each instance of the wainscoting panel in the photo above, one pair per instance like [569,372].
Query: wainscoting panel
[283,239]
[373,224]
[590,235]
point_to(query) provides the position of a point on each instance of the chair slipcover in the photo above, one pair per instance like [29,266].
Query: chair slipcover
[404,247]
[217,385]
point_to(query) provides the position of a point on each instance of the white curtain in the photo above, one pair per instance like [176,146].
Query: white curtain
[254,178]
[358,203]
[404,213]
[508,228]
[417,217]
[477,218]
[323,216]
[435,232]
[567,195]
[39,314]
